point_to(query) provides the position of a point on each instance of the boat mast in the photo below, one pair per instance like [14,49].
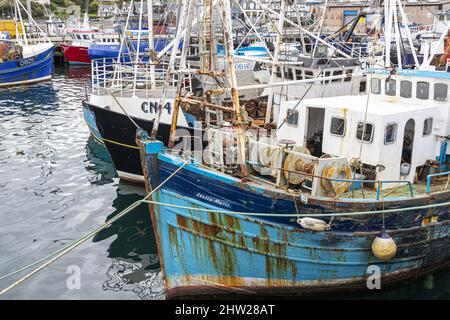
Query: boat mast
[172,42]
[86,18]
[16,18]
[138,49]
[180,82]
[117,66]
[170,69]
[387,33]
[151,43]
[21,23]
[122,42]
[225,9]
[203,38]
[408,32]
[29,11]
[397,33]
[276,58]
[33,22]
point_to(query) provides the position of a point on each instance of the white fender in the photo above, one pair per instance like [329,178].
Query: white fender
[313,224]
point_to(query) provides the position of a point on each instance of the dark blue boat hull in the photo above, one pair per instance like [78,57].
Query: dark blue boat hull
[207,244]
[101,50]
[234,196]
[29,70]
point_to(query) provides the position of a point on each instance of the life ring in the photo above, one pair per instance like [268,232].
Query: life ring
[330,172]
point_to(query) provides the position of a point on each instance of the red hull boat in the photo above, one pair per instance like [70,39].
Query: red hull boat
[75,54]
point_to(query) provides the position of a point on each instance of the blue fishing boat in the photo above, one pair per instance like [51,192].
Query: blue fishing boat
[100,50]
[339,197]
[209,246]
[24,60]
[29,64]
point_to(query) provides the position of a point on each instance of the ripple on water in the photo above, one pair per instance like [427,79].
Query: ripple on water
[57,184]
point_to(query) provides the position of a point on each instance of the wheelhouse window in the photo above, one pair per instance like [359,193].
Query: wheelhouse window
[292,117]
[348,74]
[390,134]
[362,86]
[337,73]
[298,74]
[325,75]
[278,72]
[337,126]
[309,74]
[375,85]
[290,74]
[440,92]
[258,66]
[423,90]
[405,89]
[390,87]
[366,129]
[427,126]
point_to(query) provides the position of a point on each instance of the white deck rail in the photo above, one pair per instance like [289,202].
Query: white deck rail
[127,78]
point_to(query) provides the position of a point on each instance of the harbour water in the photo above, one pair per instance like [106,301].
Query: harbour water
[57,184]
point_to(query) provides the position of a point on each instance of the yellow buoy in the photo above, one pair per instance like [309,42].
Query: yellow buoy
[384,247]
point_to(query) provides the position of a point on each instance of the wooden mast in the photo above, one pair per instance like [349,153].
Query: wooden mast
[186,40]
[225,9]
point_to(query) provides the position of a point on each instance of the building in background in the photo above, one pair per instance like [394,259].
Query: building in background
[340,12]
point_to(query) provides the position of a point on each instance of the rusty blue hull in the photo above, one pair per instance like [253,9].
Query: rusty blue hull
[209,253]
[205,249]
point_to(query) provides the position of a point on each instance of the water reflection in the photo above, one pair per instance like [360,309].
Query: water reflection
[135,264]
[99,163]
[77,72]
[35,100]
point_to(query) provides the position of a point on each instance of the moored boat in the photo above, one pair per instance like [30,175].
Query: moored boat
[33,65]
[24,60]
[76,50]
[207,249]
[272,215]
[217,234]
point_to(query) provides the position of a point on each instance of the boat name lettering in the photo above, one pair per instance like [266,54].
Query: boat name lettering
[243,66]
[284,57]
[27,61]
[213,200]
[152,107]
